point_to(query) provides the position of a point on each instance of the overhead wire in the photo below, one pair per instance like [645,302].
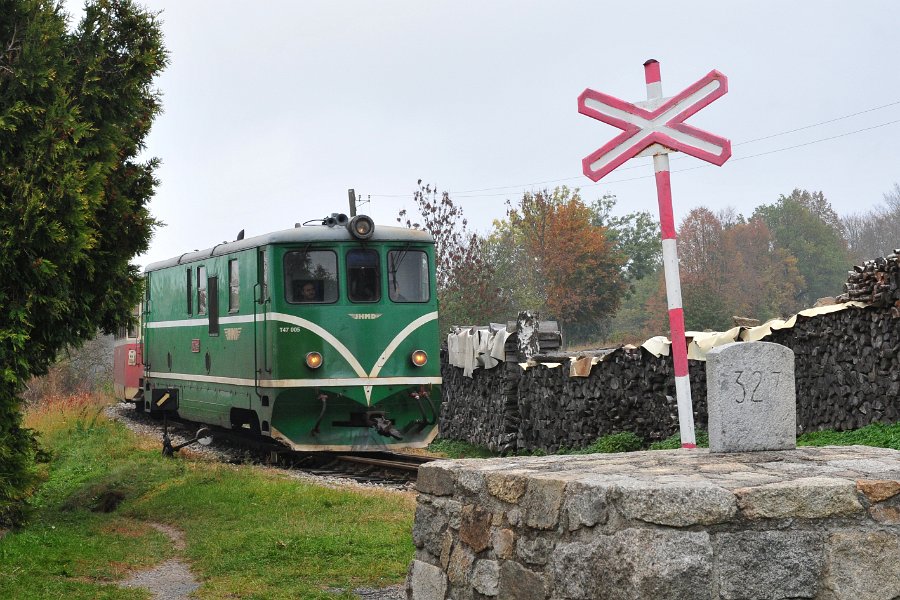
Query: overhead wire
[704,166]
[474,193]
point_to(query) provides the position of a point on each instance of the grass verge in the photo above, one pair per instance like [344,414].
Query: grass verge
[878,435]
[673,442]
[459,449]
[249,532]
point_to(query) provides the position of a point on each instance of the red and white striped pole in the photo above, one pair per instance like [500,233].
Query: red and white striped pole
[670,265]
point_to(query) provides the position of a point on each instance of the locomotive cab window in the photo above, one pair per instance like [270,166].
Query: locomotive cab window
[310,277]
[408,276]
[363,281]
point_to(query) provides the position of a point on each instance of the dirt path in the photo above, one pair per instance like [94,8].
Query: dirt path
[171,580]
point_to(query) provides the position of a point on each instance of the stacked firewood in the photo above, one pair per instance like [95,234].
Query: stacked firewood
[481,409]
[544,408]
[630,390]
[876,282]
[847,367]
[484,408]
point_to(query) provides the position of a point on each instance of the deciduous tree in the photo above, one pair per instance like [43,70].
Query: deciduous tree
[75,108]
[550,257]
[467,293]
[729,270]
[761,279]
[702,271]
[877,232]
[635,236]
[700,246]
[805,225]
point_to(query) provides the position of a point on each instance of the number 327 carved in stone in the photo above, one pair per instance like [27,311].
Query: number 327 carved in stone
[750,382]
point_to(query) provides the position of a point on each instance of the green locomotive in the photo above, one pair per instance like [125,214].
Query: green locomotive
[323,337]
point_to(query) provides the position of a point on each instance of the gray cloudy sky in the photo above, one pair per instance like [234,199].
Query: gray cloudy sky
[274,109]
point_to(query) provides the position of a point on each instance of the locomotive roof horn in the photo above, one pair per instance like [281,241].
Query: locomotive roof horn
[335,219]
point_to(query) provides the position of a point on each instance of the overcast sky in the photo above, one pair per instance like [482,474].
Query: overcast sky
[272,110]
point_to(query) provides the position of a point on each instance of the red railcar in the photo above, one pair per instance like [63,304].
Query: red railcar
[128,365]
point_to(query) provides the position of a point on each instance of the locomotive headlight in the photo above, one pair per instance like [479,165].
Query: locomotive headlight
[419,358]
[313,360]
[361,227]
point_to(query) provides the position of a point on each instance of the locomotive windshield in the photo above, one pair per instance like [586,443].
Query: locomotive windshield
[363,282]
[408,276]
[310,277]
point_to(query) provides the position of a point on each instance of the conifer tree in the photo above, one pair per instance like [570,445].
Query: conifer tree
[75,107]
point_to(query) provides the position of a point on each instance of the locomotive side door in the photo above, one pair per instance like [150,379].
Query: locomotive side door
[261,300]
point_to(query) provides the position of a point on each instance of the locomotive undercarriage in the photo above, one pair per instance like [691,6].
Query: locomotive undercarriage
[402,419]
[308,419]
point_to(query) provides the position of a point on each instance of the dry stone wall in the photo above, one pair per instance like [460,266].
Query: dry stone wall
[819,523]
[847,375]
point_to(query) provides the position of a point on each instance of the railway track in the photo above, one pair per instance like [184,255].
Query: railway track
[374,467]
[381,468]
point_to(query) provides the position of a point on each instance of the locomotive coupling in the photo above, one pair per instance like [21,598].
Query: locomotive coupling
[386,428]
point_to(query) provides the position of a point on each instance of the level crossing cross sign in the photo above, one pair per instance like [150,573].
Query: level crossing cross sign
[655,128]
[663,124]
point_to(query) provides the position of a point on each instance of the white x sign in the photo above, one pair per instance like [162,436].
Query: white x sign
[663,125]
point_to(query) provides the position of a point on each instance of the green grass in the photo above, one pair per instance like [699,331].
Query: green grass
[259,535]
[673,442]
[70,549]
[250,533]
[878,434]
[458,449]
[616,442]
[77,555]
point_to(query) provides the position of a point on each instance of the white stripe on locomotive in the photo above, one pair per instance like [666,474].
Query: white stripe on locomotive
[365,380]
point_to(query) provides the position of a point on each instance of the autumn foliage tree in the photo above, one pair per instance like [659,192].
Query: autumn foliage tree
[75,108]
[729,267]
[467,293]
[702,268]
[550,257]
[761,278]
